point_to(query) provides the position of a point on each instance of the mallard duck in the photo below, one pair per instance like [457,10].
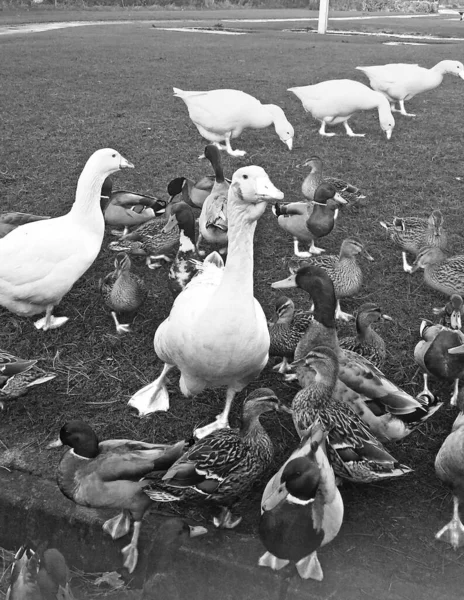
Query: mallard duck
[400,82]
[11,220]
[18,375]
[452,313]
[335,101]
[128,209]
[367,342]
[123,291]
[286,331]
[185,264]
[162,565]
[301,509]
[449,468]
[41,261]
[438,354]
[310,222]
[151,241]
[343,270]
[220,115]
[354,452]
[110,474]
[222,466]
[213,218]
[216,333]
[34,578]
[388,411]
[411,234]
[315,177]
[442,273]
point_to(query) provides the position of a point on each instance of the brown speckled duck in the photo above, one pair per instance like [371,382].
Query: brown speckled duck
[413,233]
[286,331]
[315,177]
[449,468]
[367,342]
[18,375]
[308,222]
[343,270]
[123,291]
[220,467]
[442,273]
[301,509]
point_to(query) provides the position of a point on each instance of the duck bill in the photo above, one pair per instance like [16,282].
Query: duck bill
[457,350]
[290,282]
[267,191]
[275,497]
[125,164]
[285,409]
[197,531]
[388,133]
[455,319]
[172,222]
[289,143]
[414,267]
[461,74]
[340,199]
[366,254]
[387,318]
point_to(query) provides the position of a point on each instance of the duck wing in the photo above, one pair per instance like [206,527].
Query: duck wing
[216,210]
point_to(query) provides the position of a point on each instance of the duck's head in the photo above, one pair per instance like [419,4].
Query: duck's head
[181,214]
[319,364]
[261,401]
[80,437]
[314,164]
[252,187]
[107,161]
[316,282]
[122,263]
[284,308]
[301,476]
[428,255]
[352,247]
[325,192]
[175,187]
[435,221]
[53,576]
[453,67]
[370,313]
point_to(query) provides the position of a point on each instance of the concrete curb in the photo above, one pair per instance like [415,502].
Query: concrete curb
[222,564]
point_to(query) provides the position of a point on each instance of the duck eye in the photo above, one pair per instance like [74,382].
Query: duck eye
[113,155]
[245,177]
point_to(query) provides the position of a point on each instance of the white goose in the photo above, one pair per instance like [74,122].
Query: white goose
[335,101]
[41,261]
[216,333]
[220,115]
[400,81]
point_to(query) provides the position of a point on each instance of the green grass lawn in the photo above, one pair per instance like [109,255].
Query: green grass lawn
[65,94]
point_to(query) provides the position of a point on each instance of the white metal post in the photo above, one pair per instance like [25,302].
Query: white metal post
[323,16]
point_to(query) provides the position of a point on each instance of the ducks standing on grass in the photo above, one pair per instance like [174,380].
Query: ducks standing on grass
[123,291]
[310,222]
[18,375]
[222,466]
[301,509]
[110,474]
[335,101]
[213,217]
[315,177]
[216,333]
[41,261]
[35,578]
[411,234]
[399,82]
[221,115]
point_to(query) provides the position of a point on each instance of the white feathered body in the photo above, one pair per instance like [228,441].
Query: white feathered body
[337,99]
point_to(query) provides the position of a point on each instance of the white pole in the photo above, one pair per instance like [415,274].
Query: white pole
[323,16]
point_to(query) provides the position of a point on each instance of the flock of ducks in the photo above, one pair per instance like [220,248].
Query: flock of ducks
[217,335]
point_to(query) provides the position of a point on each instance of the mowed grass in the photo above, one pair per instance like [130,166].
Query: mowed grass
[70,92]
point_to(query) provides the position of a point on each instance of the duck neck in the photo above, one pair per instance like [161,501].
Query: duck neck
[87,203]
[318,389]
[440,68]
[238,272]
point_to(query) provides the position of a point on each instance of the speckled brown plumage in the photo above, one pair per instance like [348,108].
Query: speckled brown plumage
[287,330]
[413,233]
[442,273]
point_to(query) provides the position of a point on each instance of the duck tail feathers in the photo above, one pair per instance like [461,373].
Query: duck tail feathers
[178,93]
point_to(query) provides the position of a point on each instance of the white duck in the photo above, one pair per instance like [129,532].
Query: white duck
[216,333]
[220,115]
[400,81]
[41,261]
[335,101]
